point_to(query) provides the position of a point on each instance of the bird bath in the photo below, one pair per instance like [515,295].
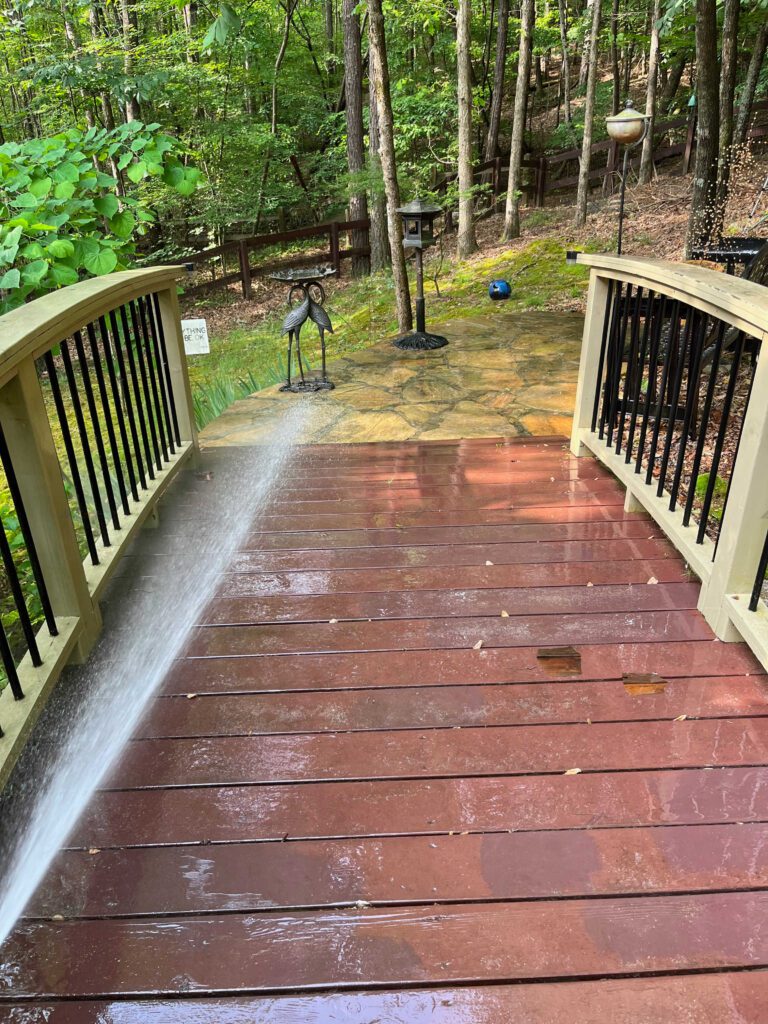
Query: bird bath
[305,298]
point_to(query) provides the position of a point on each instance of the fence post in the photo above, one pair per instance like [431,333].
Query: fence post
[245,268]
[597,310]
[32,451]
[170,316]
[541,179]
[743,527]
[335,248]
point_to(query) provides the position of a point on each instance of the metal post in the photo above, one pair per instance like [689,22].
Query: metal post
[420,314]
[621,199]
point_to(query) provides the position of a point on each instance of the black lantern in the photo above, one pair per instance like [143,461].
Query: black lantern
[419,233]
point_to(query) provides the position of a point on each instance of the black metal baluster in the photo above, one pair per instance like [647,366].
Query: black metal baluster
[701,440]
[150,333]
[148,407]
[137,393]
[96,424]
[166,367]
[603,343]
[119,401]
[649,305]
[674,398]
[613,404]
[84,441]
[631,368]
[71,457]
[691,401]
[717,454]
[18,597]
[653,370]
[26,532]
[611,354]
[762,566]
[674,328]
[109,421]
[753,364]
[10,666]
[152,372]
[127,399]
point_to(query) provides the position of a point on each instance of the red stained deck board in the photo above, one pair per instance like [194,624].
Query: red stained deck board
[438,753]
[330,809]
[575,494]
[453,555]
[434,634]
[636,529]
[417,707]
[409,945]
[447,603]
[719,998]
[365,669]
[400,870]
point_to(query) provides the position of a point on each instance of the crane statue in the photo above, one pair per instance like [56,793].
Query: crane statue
[306,299]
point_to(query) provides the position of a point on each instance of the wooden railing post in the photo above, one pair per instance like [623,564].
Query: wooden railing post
[32,451]
[594,320]
[177,364]
[335,247]
[743,528]
[245,268]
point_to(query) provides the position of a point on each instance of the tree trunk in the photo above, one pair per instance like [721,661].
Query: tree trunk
[330,25]
[132,108]
[707,138]
[466,242]
[497,96]
[615,69]
[750,85]
[728,67]
[512,210]
[563,13]
[353,64]
[646,160]
[673,83]
[377,204]
[582,194]
[379,71]
[586,46]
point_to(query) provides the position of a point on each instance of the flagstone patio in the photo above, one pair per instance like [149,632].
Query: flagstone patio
[507,373]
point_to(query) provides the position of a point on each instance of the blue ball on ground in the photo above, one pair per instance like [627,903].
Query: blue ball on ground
[499,290]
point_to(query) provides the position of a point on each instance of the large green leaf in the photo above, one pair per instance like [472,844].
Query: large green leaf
[102,262]
[10,279]
[107,206]
[40,187]
[61,248]
[34,272]
[64,190]
[122,224]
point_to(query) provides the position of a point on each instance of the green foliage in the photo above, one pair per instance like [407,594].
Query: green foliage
[718,494]
[61,214]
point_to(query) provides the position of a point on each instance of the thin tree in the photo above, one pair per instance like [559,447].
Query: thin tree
[582,193]
[353,64]
[377,203]
[646,159]
[512,210]
[497,93]
[562,8]
[750,85]
[707,138]
[128,23]
[467,241]
[379,70]
[728,67]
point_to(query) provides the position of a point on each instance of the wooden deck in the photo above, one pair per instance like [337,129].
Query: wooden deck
[367,794]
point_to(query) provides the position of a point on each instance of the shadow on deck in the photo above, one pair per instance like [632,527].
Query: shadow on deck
[372,772]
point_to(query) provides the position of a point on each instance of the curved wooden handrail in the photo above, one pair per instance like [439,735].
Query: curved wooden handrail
[32,329]
[742,303]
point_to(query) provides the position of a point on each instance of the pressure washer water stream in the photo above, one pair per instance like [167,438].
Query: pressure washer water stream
[143,635]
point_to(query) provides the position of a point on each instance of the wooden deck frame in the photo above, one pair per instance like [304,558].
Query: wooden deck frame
[727,575]
[74,586]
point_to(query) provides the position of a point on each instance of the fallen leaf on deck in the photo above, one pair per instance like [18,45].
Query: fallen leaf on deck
[93,850]
[573,771]
[505,615]
[191,696]
[652,581]
[332,622]
[680,718]
[590,584]
[361,904]
[477,646]
[489,563]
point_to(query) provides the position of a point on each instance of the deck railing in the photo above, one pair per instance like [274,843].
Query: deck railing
[95,420]
[673,399]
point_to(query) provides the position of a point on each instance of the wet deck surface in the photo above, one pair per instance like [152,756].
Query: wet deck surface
[366,795]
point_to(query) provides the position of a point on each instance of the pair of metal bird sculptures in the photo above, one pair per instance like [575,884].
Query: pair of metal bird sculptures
[308,296]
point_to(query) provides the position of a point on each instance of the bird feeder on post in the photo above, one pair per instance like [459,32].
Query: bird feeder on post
[419,233]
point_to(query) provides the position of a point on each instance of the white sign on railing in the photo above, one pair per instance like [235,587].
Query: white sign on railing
[195,337]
